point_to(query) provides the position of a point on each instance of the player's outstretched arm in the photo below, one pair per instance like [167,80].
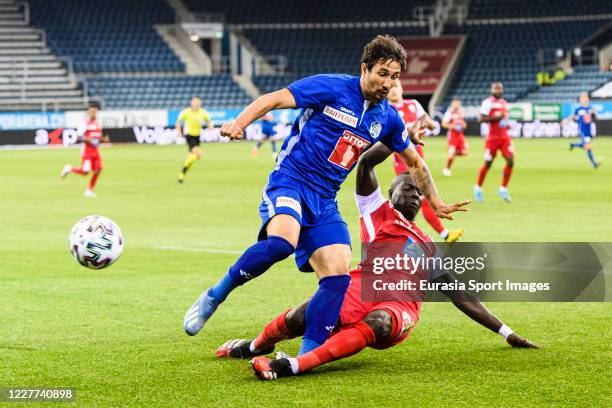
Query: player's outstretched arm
[478,312]
[281,99]
[422,176]
[366,177]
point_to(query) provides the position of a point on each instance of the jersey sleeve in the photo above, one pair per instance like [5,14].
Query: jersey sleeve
[182,115]
[397,138]
[82,129]
[314,91]
[205,116]
[369,204]
[419,109]
[485,108]
[447,116]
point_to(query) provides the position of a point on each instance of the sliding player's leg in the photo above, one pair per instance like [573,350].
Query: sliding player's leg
[286,326]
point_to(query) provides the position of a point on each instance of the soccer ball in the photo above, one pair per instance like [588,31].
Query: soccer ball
[95,242]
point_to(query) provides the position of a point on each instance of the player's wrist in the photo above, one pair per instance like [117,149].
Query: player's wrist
[505,331]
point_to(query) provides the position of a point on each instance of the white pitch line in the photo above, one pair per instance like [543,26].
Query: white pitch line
[197,249]
[209,250]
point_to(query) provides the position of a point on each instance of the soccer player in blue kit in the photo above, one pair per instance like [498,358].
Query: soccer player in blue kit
[585,115]
[342,116]
[268,132]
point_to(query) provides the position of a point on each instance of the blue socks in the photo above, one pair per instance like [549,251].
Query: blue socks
[591,158]
[323,311]
[273,146]
[255,261]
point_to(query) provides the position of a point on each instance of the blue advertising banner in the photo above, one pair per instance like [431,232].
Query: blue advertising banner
[31,120]
[603,109]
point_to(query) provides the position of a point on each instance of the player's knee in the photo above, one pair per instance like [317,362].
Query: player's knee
[510,161]
[587,146]
[380,322]
[296,319]
[278,248]
[488,163]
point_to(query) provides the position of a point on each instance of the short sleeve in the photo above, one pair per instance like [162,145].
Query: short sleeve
[485,108]
[205,115]
[314,91]
[182,115]
[447,116]
[396,138]
[419,109]
[82,129]
[369,204]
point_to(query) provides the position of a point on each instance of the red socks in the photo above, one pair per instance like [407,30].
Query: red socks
[78,170]
[274,332]
[482,174]
[340,345]
[92,180]
[449,162]
[431,217]
[507,174]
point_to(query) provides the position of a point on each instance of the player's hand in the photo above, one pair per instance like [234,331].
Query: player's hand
[418,129]
[105,139]
[232,130]
[517,341]
[445,210]
[498,115]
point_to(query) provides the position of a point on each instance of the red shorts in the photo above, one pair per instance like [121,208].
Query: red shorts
[404,315]
[91,163]
[503,144]
[457,144]
[399,165]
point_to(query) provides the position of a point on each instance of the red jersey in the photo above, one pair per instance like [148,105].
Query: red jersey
[410,110]
[455,118]
[91,131]
[381,222]
[497,129]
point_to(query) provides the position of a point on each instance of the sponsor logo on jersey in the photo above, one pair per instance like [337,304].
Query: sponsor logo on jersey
[340,116]
[292,203]
[347,150]
[375,129]
[347,110]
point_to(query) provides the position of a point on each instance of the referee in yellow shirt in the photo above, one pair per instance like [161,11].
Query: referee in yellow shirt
[193,117]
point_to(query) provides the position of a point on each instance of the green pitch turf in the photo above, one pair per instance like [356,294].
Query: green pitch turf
[116,335]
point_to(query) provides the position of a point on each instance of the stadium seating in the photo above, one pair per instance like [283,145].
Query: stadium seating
[481,9]
[169,92]
[315,11]
[508,53]
[584,79]
[319,50]
[109,35]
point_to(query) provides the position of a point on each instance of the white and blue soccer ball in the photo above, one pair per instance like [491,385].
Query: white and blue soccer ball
[95,242]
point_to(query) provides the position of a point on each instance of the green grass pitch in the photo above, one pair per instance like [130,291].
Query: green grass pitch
[116,334]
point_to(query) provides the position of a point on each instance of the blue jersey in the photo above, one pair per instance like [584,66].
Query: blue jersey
[267,128]
[336,125]
[585,115]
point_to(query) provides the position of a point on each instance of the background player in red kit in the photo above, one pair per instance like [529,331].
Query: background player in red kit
[90,132]
[363,324]
[411,111]
[454,122]
[494,111]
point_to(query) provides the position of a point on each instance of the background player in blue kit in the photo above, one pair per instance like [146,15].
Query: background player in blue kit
[342,116]
[268,132]
[585,115]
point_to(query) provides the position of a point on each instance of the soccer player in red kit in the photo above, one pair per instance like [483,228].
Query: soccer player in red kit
[90,132]
[364,324]
[494,111]
[411,111]
[454,122]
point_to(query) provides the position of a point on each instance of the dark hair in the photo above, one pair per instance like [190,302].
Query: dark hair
[93,105]
[383,48]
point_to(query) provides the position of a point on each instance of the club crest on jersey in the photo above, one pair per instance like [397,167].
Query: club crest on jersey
[340,116]
[347,150]
[375,129]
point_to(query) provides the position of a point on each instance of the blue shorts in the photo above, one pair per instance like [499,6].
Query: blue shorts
[319,217]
